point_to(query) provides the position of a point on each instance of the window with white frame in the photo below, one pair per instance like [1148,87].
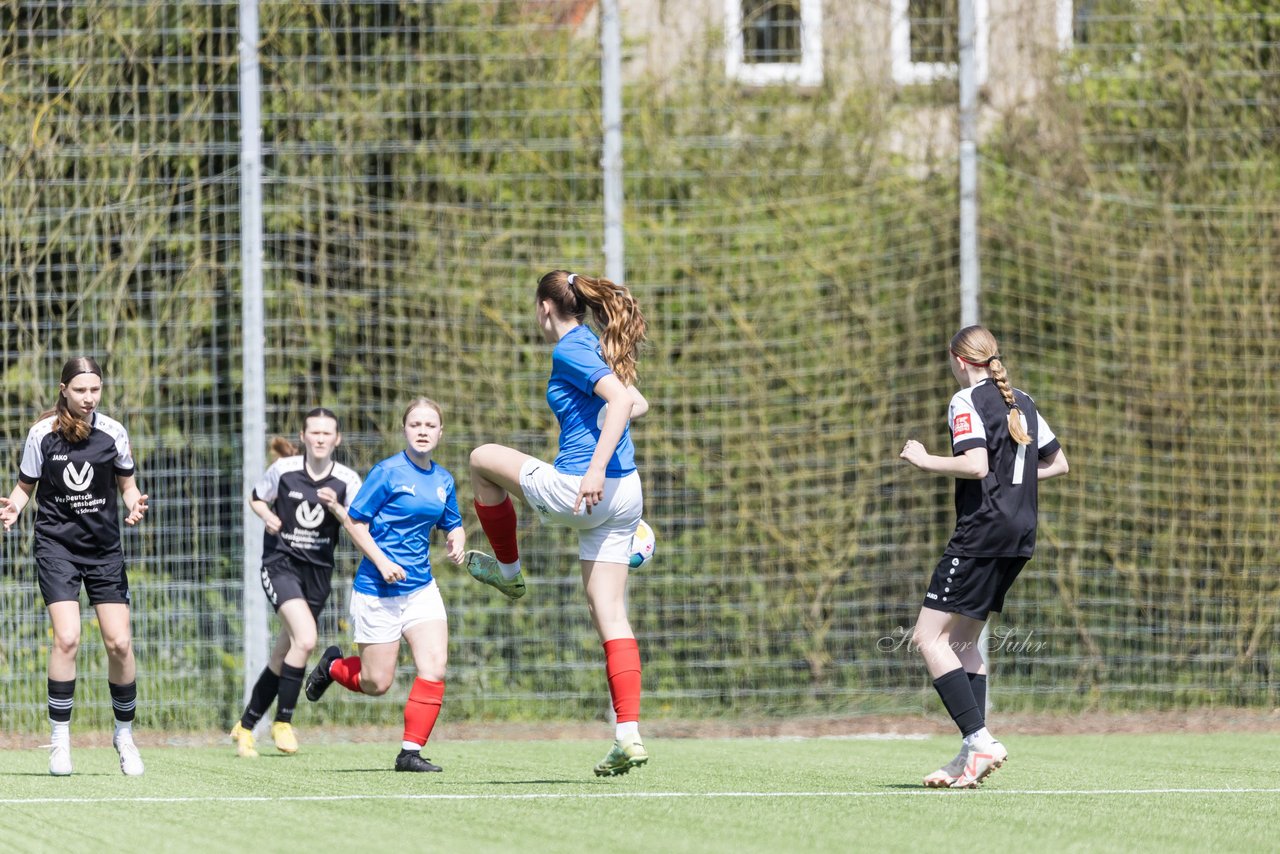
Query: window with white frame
[774,41]
[1107,30]
[925,40]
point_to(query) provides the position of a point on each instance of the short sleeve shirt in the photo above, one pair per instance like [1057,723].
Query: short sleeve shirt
[576,366]
[76,489]
[402,503]
[996,516]
[308,532]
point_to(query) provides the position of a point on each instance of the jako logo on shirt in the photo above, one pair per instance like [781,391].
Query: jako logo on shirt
[308,515]
[77,481]
[962,425]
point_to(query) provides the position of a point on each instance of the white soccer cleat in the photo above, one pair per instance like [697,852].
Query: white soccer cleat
[983,759]
[60,760]
[130,759]
[949,773]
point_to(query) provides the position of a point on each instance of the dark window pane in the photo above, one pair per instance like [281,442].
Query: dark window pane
[771,31]
[935,30]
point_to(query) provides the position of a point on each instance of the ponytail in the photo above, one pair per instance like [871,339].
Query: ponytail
[614,309]
[976,346]
[282,447]
[1017,424]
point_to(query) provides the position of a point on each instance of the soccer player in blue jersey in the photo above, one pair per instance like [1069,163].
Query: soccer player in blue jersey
[592,487]
[76,460]
[395,594]
[994,428]
[297,566]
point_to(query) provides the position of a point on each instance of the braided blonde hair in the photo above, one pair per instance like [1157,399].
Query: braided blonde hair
[977,346]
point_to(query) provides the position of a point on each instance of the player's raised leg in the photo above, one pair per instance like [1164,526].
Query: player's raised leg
[495,477]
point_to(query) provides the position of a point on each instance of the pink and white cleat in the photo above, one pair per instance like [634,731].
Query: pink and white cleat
[983,759]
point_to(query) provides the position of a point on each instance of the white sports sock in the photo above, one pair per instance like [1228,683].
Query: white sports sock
[60,732]
[623,730]
[509,570]
[409,745]
[124,728]
[982,736]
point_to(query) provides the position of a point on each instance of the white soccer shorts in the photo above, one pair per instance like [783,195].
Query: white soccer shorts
[385,619]
[605,533]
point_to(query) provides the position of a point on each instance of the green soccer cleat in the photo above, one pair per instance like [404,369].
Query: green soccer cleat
[622,757]
[485,569]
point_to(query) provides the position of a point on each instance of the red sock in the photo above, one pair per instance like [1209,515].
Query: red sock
[422,709]
[499,524]
[346,672]
[622,664]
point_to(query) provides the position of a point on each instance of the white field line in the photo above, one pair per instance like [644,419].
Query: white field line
[551,796]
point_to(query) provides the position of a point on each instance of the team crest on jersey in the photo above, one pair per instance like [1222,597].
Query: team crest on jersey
[442,495]
[77,481]
[309,515]
[962,425]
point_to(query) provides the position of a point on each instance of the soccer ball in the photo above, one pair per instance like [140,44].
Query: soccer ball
[642,544]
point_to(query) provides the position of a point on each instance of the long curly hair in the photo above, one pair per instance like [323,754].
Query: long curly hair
[615,310]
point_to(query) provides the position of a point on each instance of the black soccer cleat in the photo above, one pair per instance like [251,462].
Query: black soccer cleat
[411,760]
[320,680]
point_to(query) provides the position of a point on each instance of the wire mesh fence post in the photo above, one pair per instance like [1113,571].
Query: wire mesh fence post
[254,401]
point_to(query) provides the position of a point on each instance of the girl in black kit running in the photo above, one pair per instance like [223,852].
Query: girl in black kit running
[76,459]
[993,426]
[297,566]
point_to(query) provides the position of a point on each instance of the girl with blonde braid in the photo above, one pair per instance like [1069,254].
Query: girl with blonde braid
[992,427]
[592,487]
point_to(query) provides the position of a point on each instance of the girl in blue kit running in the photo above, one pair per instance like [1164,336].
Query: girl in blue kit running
[395,594]
[592,487]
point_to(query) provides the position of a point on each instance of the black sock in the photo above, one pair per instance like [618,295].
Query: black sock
[61,699]
[978,683]
[124,700]
[261,698]
[957,696]
[290,686]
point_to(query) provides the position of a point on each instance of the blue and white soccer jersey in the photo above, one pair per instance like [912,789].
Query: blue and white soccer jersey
[605,533]
[401,504]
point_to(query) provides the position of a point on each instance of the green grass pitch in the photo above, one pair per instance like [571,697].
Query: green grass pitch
[1058,793]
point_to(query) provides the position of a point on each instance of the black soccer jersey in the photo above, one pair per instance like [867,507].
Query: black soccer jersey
[76,488]
[996,516]
[308,531]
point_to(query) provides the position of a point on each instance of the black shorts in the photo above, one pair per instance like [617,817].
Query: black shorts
[60,580]
[972,586]
[284,578]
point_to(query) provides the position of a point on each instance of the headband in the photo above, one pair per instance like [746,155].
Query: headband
[985,364]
